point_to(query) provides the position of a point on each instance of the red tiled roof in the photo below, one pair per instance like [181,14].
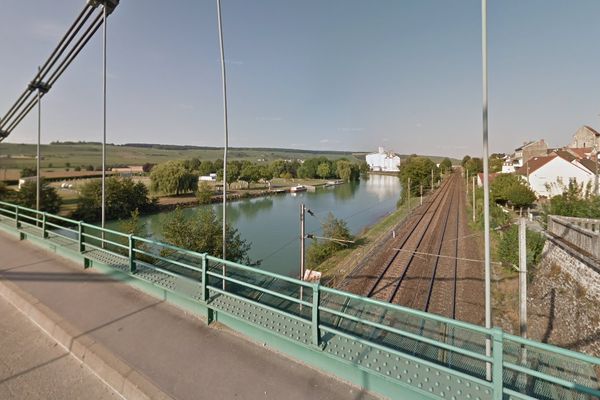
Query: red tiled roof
[580,152]
[535,163]
[566,155]
[491,176]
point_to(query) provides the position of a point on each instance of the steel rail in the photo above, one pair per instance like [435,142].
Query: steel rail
[405,239]
[420,240]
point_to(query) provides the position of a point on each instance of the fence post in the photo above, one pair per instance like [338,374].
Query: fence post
[204,291]
[44,234]
[17,224]
[132,267]
[497,368]
[80,237]
[316,335]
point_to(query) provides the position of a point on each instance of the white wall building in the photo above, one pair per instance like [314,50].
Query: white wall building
[550,175]
[383,161]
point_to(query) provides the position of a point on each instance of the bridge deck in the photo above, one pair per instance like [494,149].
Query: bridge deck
[179,353]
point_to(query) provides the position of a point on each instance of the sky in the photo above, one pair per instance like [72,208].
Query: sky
[314,74]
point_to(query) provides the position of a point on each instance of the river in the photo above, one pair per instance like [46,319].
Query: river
[272,224]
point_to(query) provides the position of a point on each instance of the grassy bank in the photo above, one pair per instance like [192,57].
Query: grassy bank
[338,266]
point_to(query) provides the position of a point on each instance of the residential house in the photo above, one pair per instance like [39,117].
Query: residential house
[550,175]
[585,137]
[529,150]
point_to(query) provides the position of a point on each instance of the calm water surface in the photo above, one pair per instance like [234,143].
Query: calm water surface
[272,224]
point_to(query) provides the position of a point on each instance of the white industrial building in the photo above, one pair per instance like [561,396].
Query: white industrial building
[383,161]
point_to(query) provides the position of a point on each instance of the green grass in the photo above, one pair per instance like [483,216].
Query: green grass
[20,155]
[15,155]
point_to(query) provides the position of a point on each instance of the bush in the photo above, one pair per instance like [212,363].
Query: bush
[204,193]
[333,228]
[28,171]
[508,248]
[123,196]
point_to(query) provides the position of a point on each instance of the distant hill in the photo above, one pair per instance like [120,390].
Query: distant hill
[15,155]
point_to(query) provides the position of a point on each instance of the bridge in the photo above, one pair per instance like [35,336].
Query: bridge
[381,349]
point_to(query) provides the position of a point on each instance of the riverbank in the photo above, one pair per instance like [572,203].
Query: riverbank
[278,186]
[337,267]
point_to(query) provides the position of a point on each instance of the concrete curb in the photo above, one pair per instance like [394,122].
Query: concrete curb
[109,368]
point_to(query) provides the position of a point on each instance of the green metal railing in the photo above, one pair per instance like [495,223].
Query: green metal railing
[520,368]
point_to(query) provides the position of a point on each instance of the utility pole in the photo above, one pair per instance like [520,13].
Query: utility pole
[226,133]
[486,188]
[474,205]
[408,193]
[596,161]
[523,282]
[302,239]
[302,246]
[39,153]
[104,28]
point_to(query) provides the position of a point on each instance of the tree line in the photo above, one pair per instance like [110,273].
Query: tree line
[181,176]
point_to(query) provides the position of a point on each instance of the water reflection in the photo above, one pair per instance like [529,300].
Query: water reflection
[380,185]
[272,223]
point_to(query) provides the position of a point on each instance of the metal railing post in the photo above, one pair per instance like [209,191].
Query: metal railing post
[17,217]
[132,267]
[80,237]
[316,335]
[210,314]
[497,368]
[204,278]
[44,234]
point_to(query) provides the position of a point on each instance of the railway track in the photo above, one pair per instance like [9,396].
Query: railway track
[421,270]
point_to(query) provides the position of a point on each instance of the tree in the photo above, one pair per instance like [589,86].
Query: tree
[418,170]
[201,232]
[446,165]
[496,163]
[133,225]
[465,160]
[521,196]
[204,193]
[249,172]
[510,188]
[206,168]
[123,196]
[6,194]
[172,177]
[89,168]
[364,167]
[474,165]
[28,171]
[332,228]
[50,201]
[323,170]
[344,170]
